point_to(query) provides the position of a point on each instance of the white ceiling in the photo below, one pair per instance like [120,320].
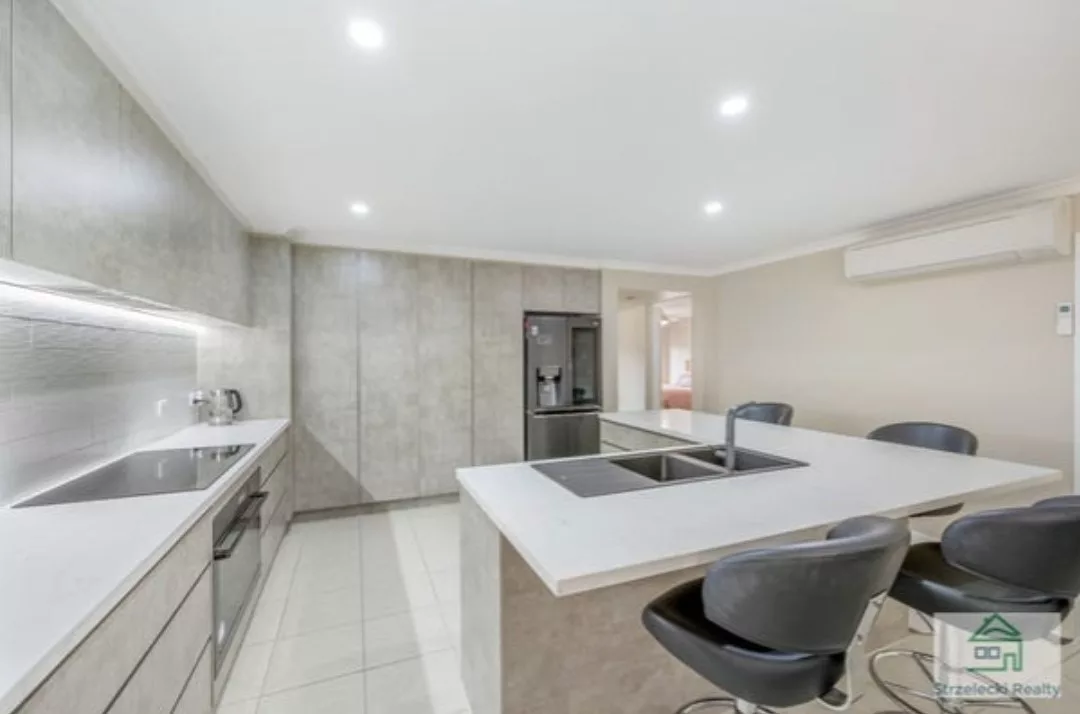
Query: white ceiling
[587,130]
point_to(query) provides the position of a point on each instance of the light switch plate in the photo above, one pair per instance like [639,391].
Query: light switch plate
[1064,318]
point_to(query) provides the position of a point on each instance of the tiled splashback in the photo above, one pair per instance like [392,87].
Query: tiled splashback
[77,387]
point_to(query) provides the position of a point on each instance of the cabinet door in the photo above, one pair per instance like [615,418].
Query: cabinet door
[542,288]
[445,370]
[389,393]
[5,128]
[148,167]
[65,159]
[325,387]
[498,382]
[581,290]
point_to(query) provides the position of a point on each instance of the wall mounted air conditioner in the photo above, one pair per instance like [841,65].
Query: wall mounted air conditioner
[1036,232]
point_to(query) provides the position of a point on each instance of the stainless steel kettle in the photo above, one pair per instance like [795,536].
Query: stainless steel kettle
[223,404]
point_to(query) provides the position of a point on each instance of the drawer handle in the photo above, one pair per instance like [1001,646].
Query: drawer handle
[236,533]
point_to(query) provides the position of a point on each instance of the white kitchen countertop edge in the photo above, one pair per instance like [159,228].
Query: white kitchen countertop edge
[15,687]
[681,425]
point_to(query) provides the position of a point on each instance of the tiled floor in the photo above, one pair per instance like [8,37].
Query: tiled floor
[359,615]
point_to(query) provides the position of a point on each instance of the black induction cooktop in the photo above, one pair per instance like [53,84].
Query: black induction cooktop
[146,473]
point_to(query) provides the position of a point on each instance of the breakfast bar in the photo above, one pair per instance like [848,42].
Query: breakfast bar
[553,583]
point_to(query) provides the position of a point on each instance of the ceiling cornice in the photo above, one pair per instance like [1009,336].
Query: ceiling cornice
[498,256]
[941,214]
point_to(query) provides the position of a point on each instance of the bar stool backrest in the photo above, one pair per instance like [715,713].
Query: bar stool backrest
[1034,548]
[807,597]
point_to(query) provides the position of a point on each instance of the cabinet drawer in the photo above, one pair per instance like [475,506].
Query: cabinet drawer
[92,675]
[606,448]
[196,696]
[279,483]
[635,439]
[273,455]
[159,681]
[274,532]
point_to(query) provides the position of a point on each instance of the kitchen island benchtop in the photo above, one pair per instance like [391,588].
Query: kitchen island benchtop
[579,544]
[63,568]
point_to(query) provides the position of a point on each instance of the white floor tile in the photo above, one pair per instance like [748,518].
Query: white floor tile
[358,609]
[281,575]
[313,611]
[245,707]
[451,614]
[265,621]
[384,548]
[427,685]
[392,592]
[248,673]
[321,580]
[344,695]
[440,510]
[315,657]
[441,554]
[447,584]
[404,636]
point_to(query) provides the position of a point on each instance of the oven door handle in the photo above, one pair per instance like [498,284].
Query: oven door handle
[236,533]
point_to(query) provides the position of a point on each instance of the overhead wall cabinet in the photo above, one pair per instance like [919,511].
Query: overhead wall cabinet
[553,289]
[98,192]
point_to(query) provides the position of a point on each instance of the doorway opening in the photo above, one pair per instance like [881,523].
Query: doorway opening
[655,369]
[674,317]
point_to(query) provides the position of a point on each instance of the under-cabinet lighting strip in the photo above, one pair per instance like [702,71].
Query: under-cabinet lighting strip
[90,308]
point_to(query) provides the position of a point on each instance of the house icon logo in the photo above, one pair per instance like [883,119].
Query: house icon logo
[996,646]
[992,656]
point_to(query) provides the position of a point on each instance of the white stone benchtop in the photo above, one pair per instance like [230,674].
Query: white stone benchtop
[63,568]
[578,544]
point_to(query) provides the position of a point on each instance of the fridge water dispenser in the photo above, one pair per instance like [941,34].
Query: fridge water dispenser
[548,384]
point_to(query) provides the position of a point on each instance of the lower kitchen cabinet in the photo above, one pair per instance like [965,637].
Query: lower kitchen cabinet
[98,669]
[158,682]
[615,437]
[277,509]
[197,696]
[153,653]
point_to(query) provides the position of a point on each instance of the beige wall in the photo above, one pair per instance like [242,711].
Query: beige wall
[632,356]
[974,348]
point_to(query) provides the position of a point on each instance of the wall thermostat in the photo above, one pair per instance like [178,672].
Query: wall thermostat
[1064,318]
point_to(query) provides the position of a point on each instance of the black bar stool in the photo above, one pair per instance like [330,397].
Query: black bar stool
[783,626]
[768,412]
[929,435]
[1003,561]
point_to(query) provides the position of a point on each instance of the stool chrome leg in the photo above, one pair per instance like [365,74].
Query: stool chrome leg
[707,703]
[738,705]
[931,703]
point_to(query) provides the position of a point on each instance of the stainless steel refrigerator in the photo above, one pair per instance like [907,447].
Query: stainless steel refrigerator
[562,385]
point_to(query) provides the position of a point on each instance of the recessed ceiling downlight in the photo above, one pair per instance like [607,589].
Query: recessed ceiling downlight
[367,34]
[734,106]
[713,208]
[359,208]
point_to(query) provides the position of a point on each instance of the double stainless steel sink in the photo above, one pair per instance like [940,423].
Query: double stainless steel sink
[606,475]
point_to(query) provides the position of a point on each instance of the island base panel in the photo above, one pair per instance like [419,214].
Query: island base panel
[525,651]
